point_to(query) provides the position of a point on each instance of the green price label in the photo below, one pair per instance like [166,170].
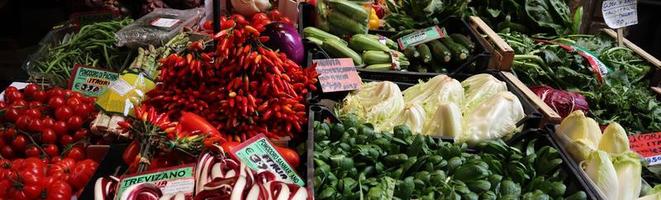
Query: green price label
[421,36]
[90,81]
[170,181]
[259,155]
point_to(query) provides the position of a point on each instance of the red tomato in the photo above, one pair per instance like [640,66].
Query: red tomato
[60,127]
[56,189]
[9,133]
[56,102]
[80,134]
[7,152]
[40,96]
[82,173]
[52,150]
[34,165]
[19,143]
[68,93]
[5,169]
[12,114]
[30,89]
[55,159]
[73,102]
[33,112]
[32,151]
[274,15]
[66,139]
[48,136]
[63,169]
[83,110]
[76,153]
[63,113]
[26,185]
[36,125]
[74,123]
[23,122]
[290,156]
[131,152]
[55,92]
[34,104]
[48,122]
[12,96]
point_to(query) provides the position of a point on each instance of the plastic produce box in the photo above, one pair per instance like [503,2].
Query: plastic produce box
[575,180]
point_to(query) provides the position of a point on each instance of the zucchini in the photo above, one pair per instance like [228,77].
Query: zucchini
[463,40]
[403,33]
[338,20]
[351,9]
[320,34]
[390,43]
[425,53]
[411,53]
[437,67]
[458,52]
[361,42]
[380,57]
[315,40]
[384,66]
[338,50]
[440,51]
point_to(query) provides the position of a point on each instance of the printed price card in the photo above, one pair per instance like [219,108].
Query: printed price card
[337,74]
[169,180]
[260,155]
[421,36]
[648,146]
[619,13]
[91,81]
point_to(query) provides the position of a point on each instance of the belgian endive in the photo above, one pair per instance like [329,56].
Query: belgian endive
[629,170]
[601,171]
[580,134]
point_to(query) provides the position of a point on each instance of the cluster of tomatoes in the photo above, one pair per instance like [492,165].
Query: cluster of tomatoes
[43,135]
[34,178]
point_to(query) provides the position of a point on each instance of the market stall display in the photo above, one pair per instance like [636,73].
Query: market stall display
[188,113]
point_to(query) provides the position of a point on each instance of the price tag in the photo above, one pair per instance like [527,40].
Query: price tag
[421,36]
[165,22]
[337,74]
[91,81]
[169,181]
[259,154]
[648,145]
[619,13]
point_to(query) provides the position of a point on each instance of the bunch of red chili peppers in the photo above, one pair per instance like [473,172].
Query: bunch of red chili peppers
[242,87]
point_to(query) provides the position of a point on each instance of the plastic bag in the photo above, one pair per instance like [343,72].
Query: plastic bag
[125,93]
[157,27]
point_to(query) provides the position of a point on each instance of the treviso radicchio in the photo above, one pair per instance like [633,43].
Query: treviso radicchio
[563,102]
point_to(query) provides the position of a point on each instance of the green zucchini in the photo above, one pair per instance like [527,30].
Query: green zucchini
[384,66]
[320,34]
[463,40]
[403,33]
[338,50]
[315,40]
[440,51]
[380,57]
[459,52]
[351,9]
[361,42]
[437,67]
[411,53]
[338,20]
[390,43]
[425,53]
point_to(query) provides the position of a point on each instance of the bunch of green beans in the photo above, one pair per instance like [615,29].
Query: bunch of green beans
[93,45]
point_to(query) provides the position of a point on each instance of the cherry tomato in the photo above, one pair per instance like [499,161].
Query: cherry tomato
[68,93]
[76,153]
[55,92]
[30,90]
[7,152]
[13,95]
[48,122]
[63,113]
[19,143]
[74,123]
[36,125]
[48,136]
[80,134]
[34,104]
[83,110]
[23,122]
[12,114]
[10,133]
[73,101]
[56,102]
[32,151]
[20,104]
[66,139]
[55,159]
[34,165]
[52,150]
[60,127]
[40,96]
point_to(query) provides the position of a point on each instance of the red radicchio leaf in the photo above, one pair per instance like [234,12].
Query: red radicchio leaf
[562,102]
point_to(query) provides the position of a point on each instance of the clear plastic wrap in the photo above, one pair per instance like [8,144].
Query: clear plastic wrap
[157,27]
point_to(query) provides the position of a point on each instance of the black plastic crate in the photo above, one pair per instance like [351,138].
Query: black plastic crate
[576,180]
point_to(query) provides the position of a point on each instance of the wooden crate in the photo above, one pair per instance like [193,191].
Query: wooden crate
[549,115]
[502,54]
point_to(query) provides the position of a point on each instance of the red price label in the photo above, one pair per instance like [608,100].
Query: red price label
[648,145]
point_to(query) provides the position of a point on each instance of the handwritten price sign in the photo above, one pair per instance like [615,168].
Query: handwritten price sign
[619,13]
[648,146]
[337,74]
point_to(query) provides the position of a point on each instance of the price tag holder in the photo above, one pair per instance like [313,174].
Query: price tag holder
[421,36]
[259,154]
[619,13]
[337,74]
[648,145]
[169,181]
[91,81]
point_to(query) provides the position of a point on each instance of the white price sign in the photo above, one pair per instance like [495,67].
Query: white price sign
[619,13]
